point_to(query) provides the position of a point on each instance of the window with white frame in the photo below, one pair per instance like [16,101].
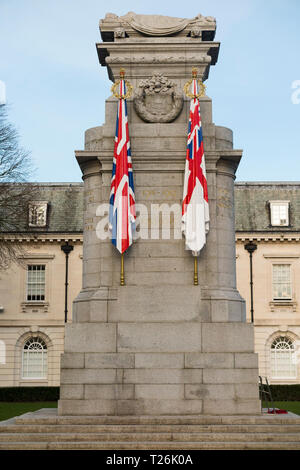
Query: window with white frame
[34,359]
[35,284]
[279,213]
[282,283]
[283,358]
[37,214]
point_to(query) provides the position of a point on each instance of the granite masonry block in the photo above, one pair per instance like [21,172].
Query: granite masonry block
[212,392]
[246,360]
[163,337]
[109,391]
[159,376]
[90,337]
[87,407]
[225,376]
[109,360]
[164,392]
[72,360]
[71,392]
[174,305]
[159,361]
[209,360]
[231,407]
[227,337]
[159,407]
[247,391]
[88,376]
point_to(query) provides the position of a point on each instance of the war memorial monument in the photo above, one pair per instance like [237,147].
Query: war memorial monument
[159,355]
[159,344]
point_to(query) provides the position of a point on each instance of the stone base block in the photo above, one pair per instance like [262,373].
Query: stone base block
[130,407]
[159,368]
[157,407]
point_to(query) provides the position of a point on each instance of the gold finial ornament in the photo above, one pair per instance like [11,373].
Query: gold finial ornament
[201,86]
[115,87]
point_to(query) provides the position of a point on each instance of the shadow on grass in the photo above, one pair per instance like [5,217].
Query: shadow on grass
[11,409]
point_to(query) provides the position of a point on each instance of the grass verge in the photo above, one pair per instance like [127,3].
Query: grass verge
[293,406]
[11,409]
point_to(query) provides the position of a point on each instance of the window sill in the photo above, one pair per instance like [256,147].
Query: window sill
[283,379]
[32,305]
[31,379]
[290,304]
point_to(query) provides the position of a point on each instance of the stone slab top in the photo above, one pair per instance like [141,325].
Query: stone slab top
[132,24]
[45,415]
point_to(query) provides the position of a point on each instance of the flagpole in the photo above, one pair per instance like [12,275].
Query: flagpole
[195,164]
[195,271]
[122,276]
[122,89]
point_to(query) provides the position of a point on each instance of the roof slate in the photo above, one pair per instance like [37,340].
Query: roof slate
[252,213]
[65,207]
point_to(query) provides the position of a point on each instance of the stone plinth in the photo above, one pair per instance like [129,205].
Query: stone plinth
[159,345]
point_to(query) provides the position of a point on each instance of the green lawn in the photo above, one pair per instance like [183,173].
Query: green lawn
[293,406]
[11,409]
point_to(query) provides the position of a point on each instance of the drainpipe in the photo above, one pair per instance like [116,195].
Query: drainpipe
[251,247]
[67,250]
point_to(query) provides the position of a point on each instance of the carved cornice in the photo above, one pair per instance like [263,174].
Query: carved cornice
[267,237]
[158,59]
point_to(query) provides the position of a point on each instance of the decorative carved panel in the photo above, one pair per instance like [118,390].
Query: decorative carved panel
[157,100]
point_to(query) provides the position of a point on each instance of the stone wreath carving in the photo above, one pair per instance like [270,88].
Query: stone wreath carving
[156,99]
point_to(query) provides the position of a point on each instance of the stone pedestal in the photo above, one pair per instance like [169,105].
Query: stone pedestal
[159,345]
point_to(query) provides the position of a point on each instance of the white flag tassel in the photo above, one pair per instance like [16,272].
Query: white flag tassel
[195,209]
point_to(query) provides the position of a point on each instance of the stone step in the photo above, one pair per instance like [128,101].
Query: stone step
[141,428]
[151,437]
[31,418]
[91,445]
[46,430]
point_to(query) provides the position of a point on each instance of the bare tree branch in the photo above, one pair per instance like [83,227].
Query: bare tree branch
[15,192]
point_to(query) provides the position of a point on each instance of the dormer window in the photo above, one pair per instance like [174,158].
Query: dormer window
[37,216]
[279,211]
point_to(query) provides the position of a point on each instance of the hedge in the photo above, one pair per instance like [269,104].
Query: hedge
[29,394]
[285,392]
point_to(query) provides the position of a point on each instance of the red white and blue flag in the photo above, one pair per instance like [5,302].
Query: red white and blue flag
[195,210]
[122,200]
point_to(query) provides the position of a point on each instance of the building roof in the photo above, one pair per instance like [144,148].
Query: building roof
[252,211]
[65,207]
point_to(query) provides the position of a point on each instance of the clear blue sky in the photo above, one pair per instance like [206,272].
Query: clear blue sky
[56,87]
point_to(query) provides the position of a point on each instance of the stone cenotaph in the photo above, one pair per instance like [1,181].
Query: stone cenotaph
[159,345]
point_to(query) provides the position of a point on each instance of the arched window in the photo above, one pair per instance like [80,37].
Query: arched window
[283,359]
[34,364]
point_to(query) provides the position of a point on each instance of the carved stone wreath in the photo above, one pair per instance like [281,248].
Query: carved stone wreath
[156,99]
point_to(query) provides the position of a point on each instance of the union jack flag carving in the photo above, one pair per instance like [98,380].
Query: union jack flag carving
[195,210]
[122,200]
